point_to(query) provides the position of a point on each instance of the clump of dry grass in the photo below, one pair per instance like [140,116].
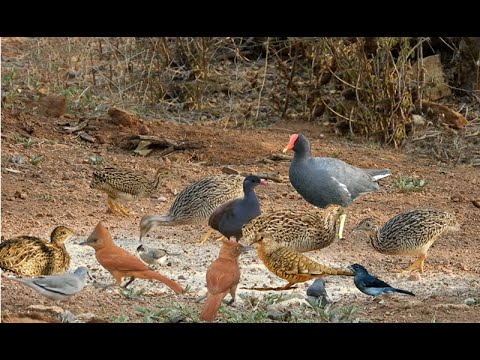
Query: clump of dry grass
[365,86]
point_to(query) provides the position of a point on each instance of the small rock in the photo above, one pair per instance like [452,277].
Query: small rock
[457,198]
[278,315]
[52,105]
[53,309]
[470,301]
[414,277]
[20,195]
[181,277]
[143,129]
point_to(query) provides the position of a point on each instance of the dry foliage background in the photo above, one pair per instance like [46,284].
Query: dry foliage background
[363,86]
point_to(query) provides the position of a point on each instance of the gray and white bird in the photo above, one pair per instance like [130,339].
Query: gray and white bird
[322,181]
[58,287]
[371,285]
[154,256]
[316,293]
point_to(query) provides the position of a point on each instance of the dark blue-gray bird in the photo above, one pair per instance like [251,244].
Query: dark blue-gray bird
[370,285]
[323,181]
[316,293]
[229,217]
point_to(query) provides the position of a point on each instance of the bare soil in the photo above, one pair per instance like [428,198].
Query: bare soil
[56,191]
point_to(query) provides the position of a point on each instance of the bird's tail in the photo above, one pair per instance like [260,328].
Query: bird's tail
[210,308]
[150,274]
[403,291]
[379,174]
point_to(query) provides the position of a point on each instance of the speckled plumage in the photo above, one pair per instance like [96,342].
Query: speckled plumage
[194,204]
[123,184]
[290,265]
[411,232]
[299,230]
[32,256]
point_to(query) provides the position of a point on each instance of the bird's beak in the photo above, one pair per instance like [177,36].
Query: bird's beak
[263,182]
[349,268]
[246,248]
[291,143]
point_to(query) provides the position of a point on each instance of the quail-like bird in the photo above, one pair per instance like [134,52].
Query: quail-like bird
[154,256]
[316,293]
[371,285]
[195,203]
[323,181]
[32,256]
[290,265]
[411,232]
[121,184]
[229,217]
[58,287]
[223,276]
[120,263]
[299,230]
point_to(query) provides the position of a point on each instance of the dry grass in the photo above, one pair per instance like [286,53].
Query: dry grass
[365,86]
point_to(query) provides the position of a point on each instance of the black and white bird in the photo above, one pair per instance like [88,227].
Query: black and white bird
[371,285]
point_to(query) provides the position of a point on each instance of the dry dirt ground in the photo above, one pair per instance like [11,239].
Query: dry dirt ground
[56,191]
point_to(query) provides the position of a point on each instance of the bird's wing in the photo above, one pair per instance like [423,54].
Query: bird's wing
[354,179]
[158,253]
[219,213]
[371,281]
[114,259]
[67,284]
[222,275]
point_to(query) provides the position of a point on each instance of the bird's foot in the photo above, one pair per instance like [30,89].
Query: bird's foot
[204,239]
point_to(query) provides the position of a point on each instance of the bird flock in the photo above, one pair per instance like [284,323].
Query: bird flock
[229,205]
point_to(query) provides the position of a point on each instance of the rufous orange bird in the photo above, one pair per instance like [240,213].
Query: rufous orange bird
[120,263]
[223,276]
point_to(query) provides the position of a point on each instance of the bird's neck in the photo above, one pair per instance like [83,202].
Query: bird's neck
[226,254]
[250,195]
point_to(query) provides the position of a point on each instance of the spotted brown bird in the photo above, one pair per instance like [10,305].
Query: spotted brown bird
[33,256]
[290,265]
[120,184]
[223,276]
[195,203]
[229,217]
[411,232]
[322,181]
[297,229]
[120,263]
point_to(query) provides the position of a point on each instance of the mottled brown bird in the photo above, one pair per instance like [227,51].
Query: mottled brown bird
[223,276]
[123,185]
[120,263]
[297,229]
[32,256]
[290,265]
[194,204]
[411,232]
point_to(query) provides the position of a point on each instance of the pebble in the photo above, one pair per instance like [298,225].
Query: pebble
[414,277]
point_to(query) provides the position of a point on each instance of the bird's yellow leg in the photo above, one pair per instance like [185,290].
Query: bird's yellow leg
[204,239]
[112,206]
[116,208]
[341,226]
[125,212]
[418,264]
